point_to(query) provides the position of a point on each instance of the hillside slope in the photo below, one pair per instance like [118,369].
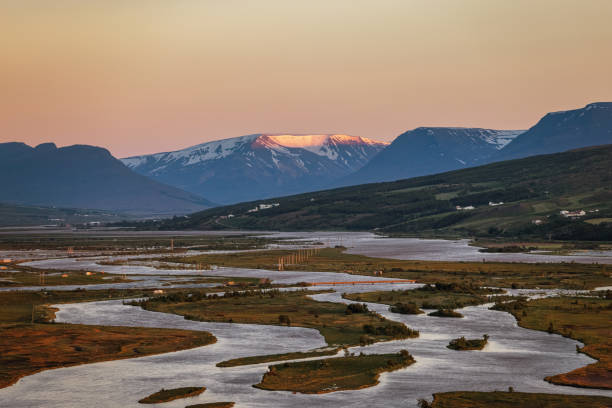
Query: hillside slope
[14,215]
[83,176]
[431,150]
[258,166]
[534,188]
[561,131]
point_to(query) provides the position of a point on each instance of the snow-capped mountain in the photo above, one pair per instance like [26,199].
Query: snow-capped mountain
[430,150]
[260,165]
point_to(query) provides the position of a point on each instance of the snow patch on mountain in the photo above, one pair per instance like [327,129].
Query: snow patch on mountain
[497,138]
[259,165]
[500,138]
[325,145]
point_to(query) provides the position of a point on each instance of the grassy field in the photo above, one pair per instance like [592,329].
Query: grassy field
[33,277]
[438,296]
[30,348]
[285,308]
[30,344]
[332,374]
[584,319]
[276,357]
[128,243]
[32,306]
[499,274]
[501,245]
[465,399]
[164,395]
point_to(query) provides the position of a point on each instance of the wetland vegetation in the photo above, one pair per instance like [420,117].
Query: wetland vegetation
[477,274]
[164,395]
[462,343]
[26,276]
[445,313]
[586,319]
[437,296]
[274,307]
[30,348]
[127,243]
[277,357]
[405,308]
[33,344]
[497,399]
[333,374]
[30,342]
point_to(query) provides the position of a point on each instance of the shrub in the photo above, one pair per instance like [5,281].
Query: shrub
[405,308]
[357,308]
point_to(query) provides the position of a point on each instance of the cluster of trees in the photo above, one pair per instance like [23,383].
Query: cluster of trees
[284,319]
[357,308]
[406,308]
[456,287]
[397,331]
[445,313]
[472,344]
[512,306]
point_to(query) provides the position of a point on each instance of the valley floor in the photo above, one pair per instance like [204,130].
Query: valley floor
[284,330]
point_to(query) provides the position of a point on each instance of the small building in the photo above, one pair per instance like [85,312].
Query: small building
[492,204]
[267,206]
[6,260]
[158,292]
[572,214]
[537,222]
[466,208]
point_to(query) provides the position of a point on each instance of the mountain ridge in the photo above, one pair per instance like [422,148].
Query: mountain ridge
[258,165]
[84,176]
[501,198]
[563,130]
[430,150]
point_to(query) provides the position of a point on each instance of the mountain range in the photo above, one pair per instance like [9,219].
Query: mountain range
[83,176]
[520,197]
[259,165]
[565,130]
[430,150]
[271,165]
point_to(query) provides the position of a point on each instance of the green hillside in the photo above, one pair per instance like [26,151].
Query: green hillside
[534,188]
[21,215]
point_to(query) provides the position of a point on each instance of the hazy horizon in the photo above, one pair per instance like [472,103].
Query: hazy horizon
[140,80]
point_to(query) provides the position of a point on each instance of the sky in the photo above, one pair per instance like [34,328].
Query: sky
[144,76]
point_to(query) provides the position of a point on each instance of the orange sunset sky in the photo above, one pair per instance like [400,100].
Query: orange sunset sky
[138,76]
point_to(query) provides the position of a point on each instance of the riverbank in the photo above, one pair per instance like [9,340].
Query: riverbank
[585,319]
